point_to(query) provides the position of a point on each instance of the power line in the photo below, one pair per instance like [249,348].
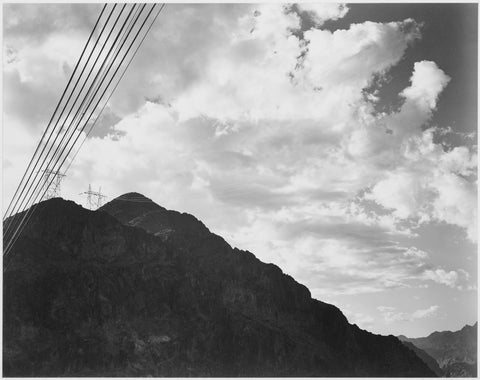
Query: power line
[51,133]
[89,99]
[113,76]
[13,222]
[71,108]
[35,193]
[56,108]
[116,85]
[59,118]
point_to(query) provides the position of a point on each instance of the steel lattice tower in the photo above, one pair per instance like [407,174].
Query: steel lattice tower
[94,198]
[54,185]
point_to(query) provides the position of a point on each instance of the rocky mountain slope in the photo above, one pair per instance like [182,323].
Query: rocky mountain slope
[455,352]
[426,358]
[136,290]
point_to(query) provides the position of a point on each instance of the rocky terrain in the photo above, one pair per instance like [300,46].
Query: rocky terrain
[133,289]
[426,358]
[455,352]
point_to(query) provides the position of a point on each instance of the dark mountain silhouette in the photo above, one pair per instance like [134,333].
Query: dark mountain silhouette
[455,352]
[136,290]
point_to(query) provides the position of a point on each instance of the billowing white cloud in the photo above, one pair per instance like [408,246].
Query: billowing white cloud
[431,185]
[390,314]
[267,72]
[266,135]
[427,182]
[456,202]
[443,277]
[427,83]
[321,12]
[458,279]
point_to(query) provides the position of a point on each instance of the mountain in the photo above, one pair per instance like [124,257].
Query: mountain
[455,352]
[134,289]
[426,358]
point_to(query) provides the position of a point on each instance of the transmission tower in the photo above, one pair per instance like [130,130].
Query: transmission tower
[94,198]
[53,191]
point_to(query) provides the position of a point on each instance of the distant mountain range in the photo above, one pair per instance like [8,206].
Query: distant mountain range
[454,352]
[134,289]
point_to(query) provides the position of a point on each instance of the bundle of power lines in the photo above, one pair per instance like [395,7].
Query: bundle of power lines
[115,39]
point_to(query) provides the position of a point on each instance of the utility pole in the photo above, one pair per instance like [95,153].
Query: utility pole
[94,198]
[53,191]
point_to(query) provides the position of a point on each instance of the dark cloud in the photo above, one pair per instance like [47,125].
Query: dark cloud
[360,234]
[36,22]
[228,160]
[31,102]
[155,99]
[325,195]
[251,195]
[105,125]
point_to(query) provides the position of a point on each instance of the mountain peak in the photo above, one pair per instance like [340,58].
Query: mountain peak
[133,197]
[136,210]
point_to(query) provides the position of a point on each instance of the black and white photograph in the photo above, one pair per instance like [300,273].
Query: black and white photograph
[259,189]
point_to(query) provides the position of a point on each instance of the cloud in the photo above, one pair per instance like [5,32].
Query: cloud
[267,72]
[385,309]
[455,202]
[41,52]
[441,276]
[273,128]
[390,314]
[34,23]
[262,130]
[360,319]
[320,12]
[342,269]
[427,82]
[431,185]
[454,279]
[428,182]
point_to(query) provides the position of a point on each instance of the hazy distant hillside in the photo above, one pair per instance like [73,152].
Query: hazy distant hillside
[427,359]
[455,352]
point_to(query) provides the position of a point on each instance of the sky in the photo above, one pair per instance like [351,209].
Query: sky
[337,141]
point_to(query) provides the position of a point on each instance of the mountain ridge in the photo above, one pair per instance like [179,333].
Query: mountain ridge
[134,289]
[454,351]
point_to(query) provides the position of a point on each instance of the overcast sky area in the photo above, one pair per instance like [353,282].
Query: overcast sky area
[336,141]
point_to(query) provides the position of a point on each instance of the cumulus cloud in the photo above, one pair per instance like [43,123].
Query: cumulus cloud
[41,52]
[427,82]
[265,134]
[443,277]
[453,279]
[273,128]
[390,314]
[432,184]
[429,182]
[320,12]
